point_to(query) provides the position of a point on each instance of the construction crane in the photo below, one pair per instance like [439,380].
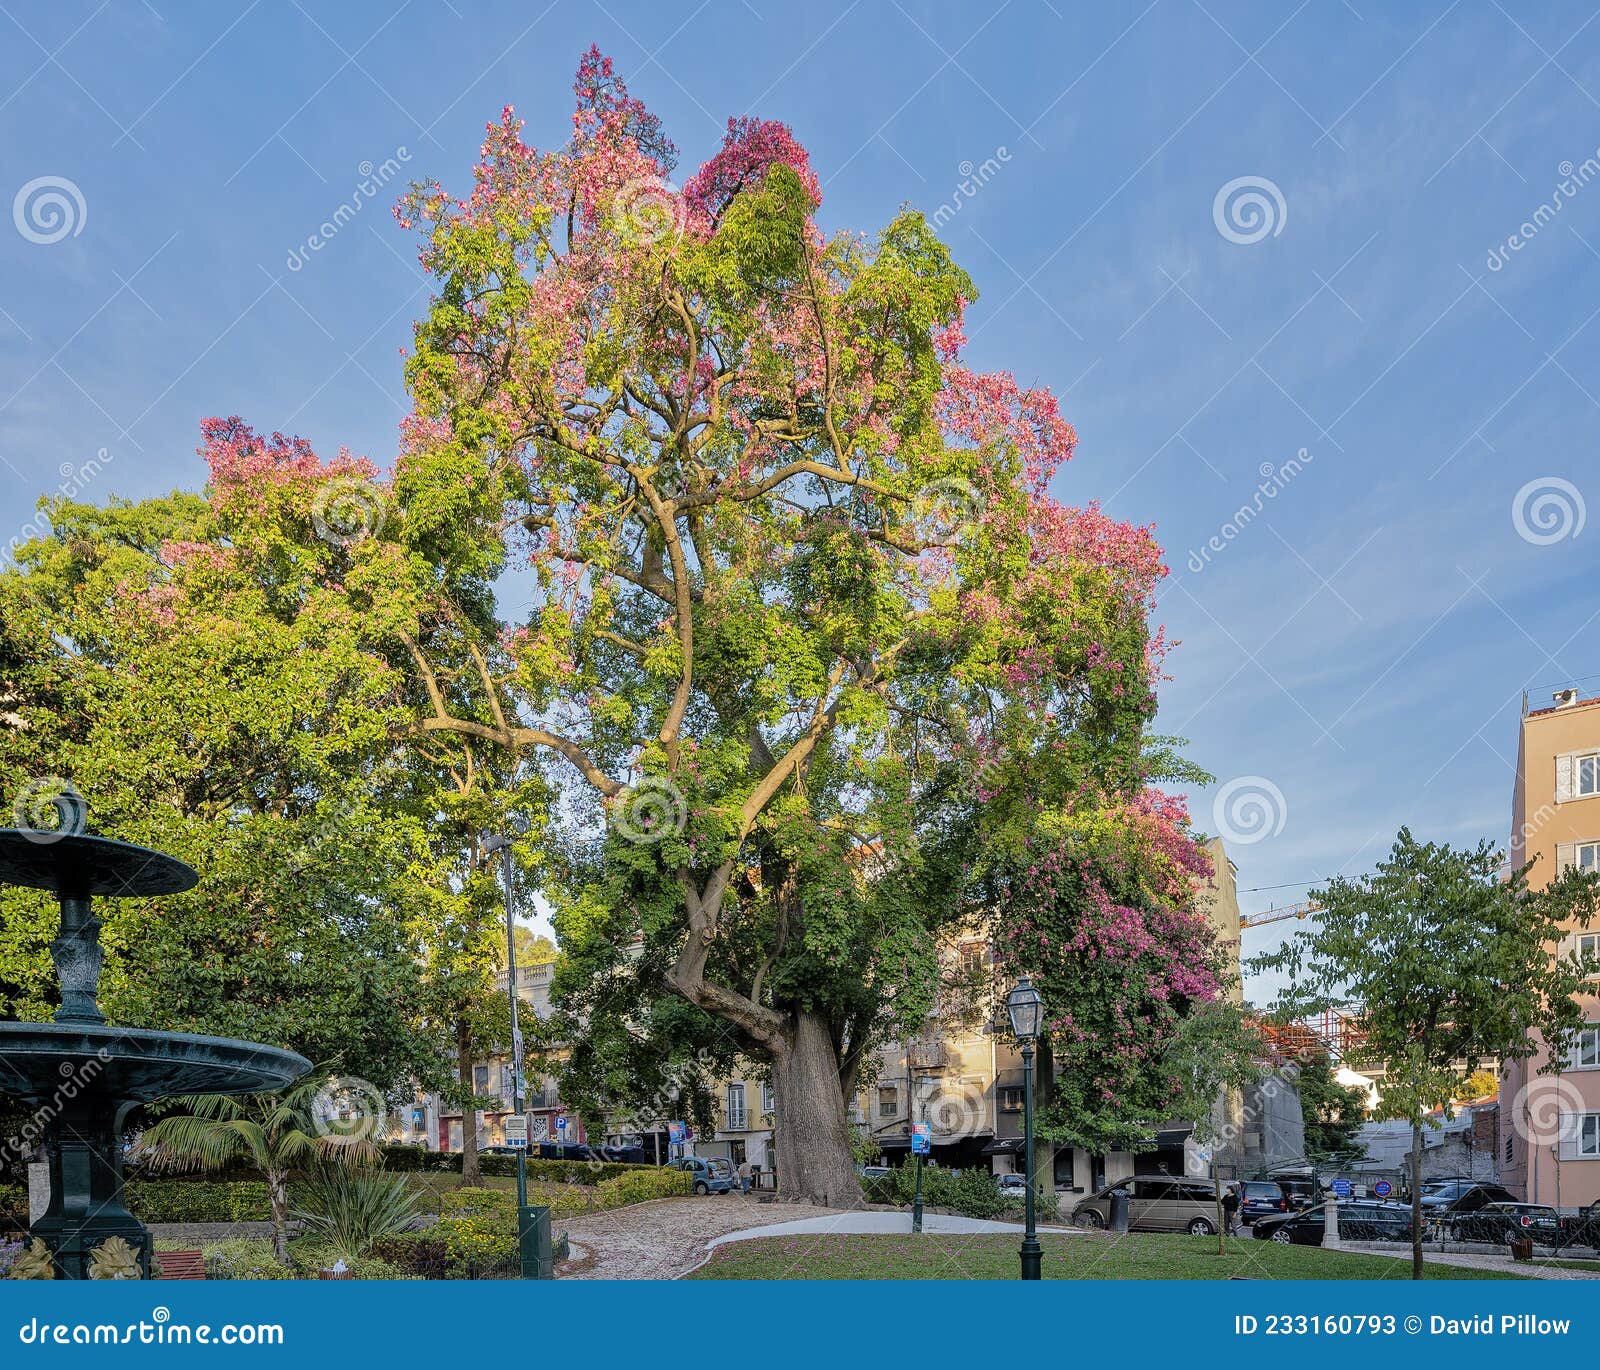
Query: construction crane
[1276,915]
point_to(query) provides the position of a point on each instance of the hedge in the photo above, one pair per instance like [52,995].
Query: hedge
[971,1192]
[398,1156]
[198,1201]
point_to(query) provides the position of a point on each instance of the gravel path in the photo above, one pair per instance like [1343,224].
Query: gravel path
[664,1239]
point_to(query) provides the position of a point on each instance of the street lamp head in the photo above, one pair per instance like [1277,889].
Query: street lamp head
[1025,1006]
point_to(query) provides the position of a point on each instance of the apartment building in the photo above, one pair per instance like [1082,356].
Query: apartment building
[1550,1124]
[439,1124]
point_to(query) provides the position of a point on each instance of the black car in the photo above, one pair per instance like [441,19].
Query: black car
[1584,1230]
[1360,1220]
[1500,1222]
[1463,1196]
[1261,1199]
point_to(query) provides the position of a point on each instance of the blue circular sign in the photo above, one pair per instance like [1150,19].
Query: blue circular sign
[1342,1188]
[1383,1189]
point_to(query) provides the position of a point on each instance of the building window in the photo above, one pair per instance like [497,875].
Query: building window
[1011,1099]
[1586,856]
[1586,1048]
[1589,1134]
[480,1080]
[1586,775]
[888,1101]
[737,1118]
[767,1105]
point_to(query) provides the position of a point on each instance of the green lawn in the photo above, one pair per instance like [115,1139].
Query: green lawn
[826,1256]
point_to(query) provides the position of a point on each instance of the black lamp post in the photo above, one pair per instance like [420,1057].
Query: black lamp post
[533,1220]
[1025,1007]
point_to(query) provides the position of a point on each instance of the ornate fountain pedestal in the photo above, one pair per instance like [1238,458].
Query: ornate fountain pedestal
[82,1076]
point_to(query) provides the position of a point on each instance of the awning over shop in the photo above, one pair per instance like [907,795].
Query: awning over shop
[1004,1146]
[1174,1136]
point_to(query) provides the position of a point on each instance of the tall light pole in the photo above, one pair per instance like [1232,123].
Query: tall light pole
[533,1222]
[1025,1008]
[918,1103]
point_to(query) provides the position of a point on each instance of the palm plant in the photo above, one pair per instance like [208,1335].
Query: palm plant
[350,1209]
[275,1134]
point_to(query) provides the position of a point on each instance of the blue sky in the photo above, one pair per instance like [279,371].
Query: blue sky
[1357,650]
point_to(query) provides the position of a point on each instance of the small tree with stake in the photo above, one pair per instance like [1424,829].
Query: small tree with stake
[1215,1051]
[1447,962]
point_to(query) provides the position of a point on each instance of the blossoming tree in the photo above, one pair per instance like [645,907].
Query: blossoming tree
[792,583]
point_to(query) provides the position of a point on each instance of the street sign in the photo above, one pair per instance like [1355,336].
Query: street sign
[1343,1188]
[921,1139]
[1383,1189]
[561,1127]
[517,1130]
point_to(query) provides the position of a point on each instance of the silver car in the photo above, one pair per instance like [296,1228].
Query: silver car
[1156,1203]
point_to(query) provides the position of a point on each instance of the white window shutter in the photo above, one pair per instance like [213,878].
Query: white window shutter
[1563,778]
[1566,856]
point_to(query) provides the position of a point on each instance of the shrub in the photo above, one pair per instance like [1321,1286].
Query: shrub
[640,1186]
[349,1209]
[197,1201]
[13,1205]
[308,1256]
[422,1253]
[244,1260]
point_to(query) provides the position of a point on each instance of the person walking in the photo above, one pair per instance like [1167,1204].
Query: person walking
[1230,1209]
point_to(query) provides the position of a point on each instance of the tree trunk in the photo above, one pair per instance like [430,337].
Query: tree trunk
[1222,1220]
[471,1173]
[815,1164]
[278,1207]
[1416,1201]
[1044,1093]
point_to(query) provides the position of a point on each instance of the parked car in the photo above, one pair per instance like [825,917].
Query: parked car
[1500,1222]
[1155,1204]
[875,1172]
[712,1174]
[1360,1220]
[1463,1196]
[1260,1199]
[1012,1185]
[1584,1230]
[1300,1190]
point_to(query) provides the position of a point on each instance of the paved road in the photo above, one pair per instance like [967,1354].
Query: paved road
[875,1221]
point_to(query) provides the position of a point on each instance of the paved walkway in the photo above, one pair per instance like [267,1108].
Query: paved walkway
[1534,1269]
[667,1238]
[871,1221]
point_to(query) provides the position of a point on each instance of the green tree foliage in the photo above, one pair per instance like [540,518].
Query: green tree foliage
[1333,1112]
[1445,960]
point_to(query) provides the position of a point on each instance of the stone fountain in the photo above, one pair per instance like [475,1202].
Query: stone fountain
[83,1076]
